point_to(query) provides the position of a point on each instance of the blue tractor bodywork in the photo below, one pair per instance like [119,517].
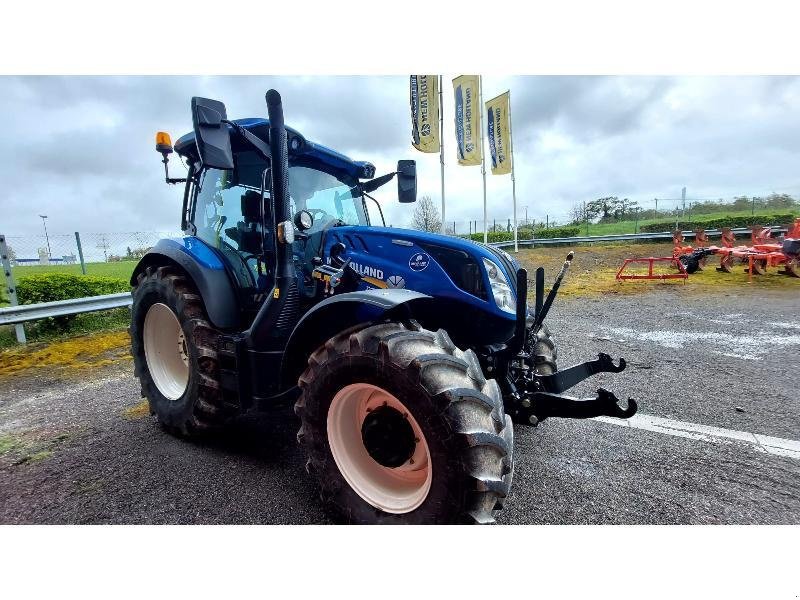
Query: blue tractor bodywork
[351,275]
[318,153]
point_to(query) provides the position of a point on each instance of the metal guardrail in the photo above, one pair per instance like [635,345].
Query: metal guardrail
[626,237]
[30,312]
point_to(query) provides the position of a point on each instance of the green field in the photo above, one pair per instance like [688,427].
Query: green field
[121,269]
[623,227]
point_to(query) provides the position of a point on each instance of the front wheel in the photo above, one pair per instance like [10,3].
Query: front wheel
[400,426]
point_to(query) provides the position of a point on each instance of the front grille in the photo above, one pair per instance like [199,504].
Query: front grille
[460,266]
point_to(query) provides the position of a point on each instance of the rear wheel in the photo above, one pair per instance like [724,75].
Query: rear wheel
[793,266]
[400,426]
[174,351]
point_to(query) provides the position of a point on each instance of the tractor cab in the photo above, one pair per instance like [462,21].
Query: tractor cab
[230,209]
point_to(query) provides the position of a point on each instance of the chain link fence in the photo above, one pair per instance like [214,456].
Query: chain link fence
[92,253]
[619,215]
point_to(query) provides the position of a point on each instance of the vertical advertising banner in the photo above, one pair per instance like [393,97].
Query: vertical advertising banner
[425,112]
[498,129]
[468,132]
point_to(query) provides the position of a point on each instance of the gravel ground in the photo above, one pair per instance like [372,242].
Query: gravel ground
[80,451]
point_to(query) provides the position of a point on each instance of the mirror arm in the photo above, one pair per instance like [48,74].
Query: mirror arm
[374,184]
[263,149]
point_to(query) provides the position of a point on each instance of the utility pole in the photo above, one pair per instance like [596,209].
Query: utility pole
[683,199]
[104,246]
[46,237]
[586,218]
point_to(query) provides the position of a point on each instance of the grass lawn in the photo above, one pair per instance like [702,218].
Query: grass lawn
[121,269]
[594,269]
[623,227]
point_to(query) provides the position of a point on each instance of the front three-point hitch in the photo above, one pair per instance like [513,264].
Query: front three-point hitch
[531,396]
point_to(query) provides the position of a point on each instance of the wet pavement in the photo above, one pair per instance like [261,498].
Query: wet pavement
[80,451]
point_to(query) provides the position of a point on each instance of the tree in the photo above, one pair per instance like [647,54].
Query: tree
[602,208]
[576,214]
[426,216]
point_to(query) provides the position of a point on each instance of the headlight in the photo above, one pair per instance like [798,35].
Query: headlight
[500,288]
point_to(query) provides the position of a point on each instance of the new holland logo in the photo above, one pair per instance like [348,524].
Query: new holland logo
[366,271]
[426,129]
[419,261]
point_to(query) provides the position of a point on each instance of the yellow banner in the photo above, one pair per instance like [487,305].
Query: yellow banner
[425,112]
[498,130]
[468,140]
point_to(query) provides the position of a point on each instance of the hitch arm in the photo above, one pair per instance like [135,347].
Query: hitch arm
[561,381]
[605,404]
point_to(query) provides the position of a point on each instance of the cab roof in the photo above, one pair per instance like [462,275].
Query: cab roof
[298,146]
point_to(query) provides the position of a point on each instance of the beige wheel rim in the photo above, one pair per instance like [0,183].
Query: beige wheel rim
[395,490]
[165,351]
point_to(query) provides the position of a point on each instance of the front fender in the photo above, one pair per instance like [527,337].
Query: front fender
[206,269]
[337,313]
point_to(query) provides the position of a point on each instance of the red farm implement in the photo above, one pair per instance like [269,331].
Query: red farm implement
[673,260]
[764,252]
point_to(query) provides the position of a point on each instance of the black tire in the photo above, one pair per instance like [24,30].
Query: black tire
[460,413]
[200,408]
[792,267]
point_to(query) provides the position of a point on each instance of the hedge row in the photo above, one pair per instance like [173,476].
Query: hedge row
[48,287]
[527,234]
[719,222]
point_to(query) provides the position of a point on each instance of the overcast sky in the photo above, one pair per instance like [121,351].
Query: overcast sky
[81,149]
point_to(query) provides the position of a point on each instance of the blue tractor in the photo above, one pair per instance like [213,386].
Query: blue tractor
[408,355]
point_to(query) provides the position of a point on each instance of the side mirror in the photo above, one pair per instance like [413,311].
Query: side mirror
[212,135]
[407,181]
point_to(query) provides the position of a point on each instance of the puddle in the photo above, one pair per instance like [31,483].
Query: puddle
[746,347]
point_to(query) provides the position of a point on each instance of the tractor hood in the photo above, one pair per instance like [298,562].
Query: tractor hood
[507,262]
[297,144]
[426,262]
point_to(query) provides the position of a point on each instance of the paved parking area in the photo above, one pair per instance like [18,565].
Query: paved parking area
[716,440]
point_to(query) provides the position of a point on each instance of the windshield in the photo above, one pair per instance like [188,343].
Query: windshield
[329,198]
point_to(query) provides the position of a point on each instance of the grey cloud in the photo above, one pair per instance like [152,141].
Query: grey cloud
[81,148]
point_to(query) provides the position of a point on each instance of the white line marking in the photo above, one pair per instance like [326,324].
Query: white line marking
[707,433]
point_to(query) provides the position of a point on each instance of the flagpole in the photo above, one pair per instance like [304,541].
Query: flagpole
[483,157]
[513,181]
[441,151]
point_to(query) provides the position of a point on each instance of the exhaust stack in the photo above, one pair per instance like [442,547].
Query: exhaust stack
[277,315]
